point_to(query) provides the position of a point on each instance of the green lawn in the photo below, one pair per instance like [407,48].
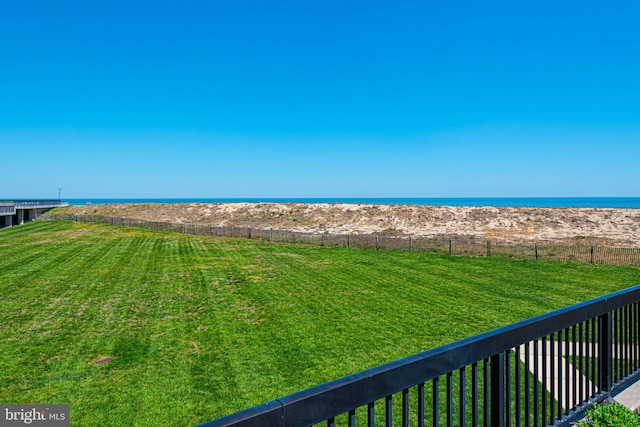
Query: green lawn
[203,327]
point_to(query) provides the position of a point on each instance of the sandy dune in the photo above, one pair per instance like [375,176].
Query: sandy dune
[499,224]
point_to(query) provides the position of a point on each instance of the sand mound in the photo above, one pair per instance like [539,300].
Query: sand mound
[500,224]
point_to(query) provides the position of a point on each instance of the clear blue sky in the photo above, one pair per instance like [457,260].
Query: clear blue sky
[319,98]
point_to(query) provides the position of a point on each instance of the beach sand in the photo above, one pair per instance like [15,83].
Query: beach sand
[611,226]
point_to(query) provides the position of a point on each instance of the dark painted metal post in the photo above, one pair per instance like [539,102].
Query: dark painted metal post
[497,390]
[462,397]
[435,402]
[592,258]
[405,407]
[605,344]
[488,248]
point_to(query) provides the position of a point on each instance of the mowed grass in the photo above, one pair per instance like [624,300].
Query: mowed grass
[203,327]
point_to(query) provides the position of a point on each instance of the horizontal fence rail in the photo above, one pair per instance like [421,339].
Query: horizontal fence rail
[542,371]
[594,254]
[30,204]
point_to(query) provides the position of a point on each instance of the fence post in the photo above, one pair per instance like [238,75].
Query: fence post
[605,342]
[488,248]
[410,244]
[249,233]
[535,248]
[497,390]
[323,239]
[348,240]
[592,258]
[271,234]
[449,246]
[377,242]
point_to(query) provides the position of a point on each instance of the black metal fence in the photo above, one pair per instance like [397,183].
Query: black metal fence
[542,371]
[594,254]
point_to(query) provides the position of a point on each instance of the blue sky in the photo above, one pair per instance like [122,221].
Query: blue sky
[319,99]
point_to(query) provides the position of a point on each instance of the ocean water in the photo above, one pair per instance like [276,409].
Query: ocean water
[552,202]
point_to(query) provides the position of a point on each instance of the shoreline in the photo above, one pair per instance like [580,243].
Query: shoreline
[610,226]
[532,202]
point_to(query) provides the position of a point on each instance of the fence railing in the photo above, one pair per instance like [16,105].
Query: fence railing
[30,204]
[7,208]
[594,254]
[542,371]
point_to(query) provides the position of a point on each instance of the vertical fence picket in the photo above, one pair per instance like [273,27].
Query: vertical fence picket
[605,343]
[580,356]
[536,386]
[405,407]
[497,390]
[421,408]
[352,418]
[474,394]
[543,415]
[567,375]
[574,362]
[371,415]
[435,402]
[485,392]
[449,387]
[527,384]
[559,390]
[594,359]
[463,396]
[517,386]
[552,382]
